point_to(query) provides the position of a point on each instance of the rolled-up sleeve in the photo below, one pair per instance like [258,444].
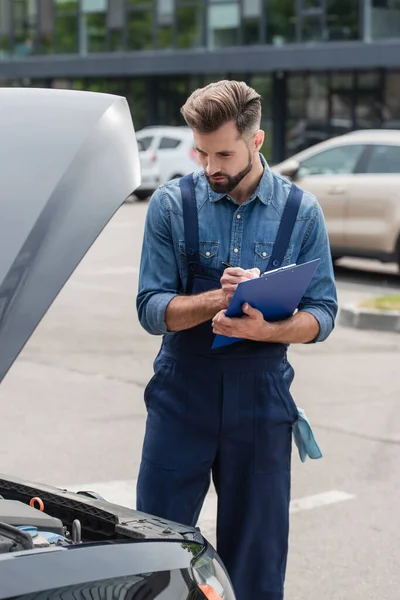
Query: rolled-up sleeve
[320,298]
[159,279]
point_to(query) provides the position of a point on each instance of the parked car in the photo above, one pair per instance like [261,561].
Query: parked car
[173,154]
[60,185]
[150,171]
[356,178]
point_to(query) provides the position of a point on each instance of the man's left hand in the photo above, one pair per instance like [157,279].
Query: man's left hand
[251,326]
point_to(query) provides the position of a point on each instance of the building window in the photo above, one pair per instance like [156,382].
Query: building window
[93,26]
[252,21]
[223,23]
[343,20]
[280,16]
[45,33]
[307,112]
[165,23]
[190,24]
[140,25]
[24,24]
[5,27]
[391,103]
[116,24]
[382,20]
[66,30]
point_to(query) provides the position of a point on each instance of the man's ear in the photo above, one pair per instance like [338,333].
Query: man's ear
[259,139]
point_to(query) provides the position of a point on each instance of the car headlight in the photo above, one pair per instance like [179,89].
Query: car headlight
[211,576]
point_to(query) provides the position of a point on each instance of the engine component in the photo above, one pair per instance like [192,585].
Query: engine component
[13,540]
[43,539]
[19,514]
[77,532]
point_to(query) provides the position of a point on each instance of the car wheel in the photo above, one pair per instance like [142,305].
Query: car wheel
[176,176]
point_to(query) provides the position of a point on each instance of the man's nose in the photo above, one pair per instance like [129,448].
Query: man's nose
[213,167]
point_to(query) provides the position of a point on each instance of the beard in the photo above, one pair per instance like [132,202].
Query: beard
[232,181]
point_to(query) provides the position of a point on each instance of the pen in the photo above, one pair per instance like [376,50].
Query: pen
[228,265]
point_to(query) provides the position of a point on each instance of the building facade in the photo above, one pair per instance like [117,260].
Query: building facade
[323,67]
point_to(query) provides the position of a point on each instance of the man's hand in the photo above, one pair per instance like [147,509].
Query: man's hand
[231,279]
[250,327]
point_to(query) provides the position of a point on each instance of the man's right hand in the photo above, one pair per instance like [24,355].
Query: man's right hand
[231,279]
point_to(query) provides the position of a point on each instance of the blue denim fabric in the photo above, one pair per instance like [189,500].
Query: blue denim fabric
[240,235]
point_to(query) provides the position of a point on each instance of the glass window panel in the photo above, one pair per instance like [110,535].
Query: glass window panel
[25,22]
[116,14]
[45,34]
[116,40]
[312,30]
[384,19]
[5,17]
[165,36]
[384,159]
[165,11]
[280,21]
[308,112]
[368,80]
[67,34]
[140,30]
[341,160]
[95,32]
[223,24]
[64,6]
[391,108]
[343,19]
[252,8]
[94,6]
[139,3]
[190,26]
[251,31]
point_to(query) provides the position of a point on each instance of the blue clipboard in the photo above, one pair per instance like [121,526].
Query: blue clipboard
[276,294]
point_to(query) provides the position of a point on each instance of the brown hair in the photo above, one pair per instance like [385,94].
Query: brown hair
[208,108]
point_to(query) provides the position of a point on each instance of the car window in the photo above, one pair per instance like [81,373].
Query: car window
[140,145]
[384,159]
[168,143]
[340,160]
[145,142]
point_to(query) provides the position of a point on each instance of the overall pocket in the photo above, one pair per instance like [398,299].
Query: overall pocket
[274,415]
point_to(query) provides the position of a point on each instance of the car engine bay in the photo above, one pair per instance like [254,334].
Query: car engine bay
[39,516]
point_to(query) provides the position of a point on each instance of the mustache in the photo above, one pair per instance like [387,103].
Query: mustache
[218,174]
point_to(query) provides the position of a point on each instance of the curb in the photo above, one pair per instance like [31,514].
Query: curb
[369,318]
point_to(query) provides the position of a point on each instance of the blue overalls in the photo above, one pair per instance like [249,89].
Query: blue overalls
[228,412]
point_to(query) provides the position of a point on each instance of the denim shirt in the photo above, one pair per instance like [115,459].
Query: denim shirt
[242,235]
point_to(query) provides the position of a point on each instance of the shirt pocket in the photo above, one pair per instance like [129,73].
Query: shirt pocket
[263,252]
[208,254]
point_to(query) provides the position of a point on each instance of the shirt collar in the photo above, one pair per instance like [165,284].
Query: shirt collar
[263,191]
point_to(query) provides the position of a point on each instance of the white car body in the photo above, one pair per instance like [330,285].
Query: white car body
[165,153]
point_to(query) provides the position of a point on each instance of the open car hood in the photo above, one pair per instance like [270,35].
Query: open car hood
[68,160]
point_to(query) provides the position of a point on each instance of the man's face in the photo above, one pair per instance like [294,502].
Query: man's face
[225,157]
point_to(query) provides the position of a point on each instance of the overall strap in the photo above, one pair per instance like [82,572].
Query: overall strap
[191,228]
[286,227]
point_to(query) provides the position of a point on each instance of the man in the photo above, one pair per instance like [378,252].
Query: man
[227,412]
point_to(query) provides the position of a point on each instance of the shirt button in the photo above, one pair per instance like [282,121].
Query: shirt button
[238,216]
[208,253]
[264,254]
[236,250]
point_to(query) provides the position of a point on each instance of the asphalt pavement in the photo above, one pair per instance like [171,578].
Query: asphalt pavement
[72,414]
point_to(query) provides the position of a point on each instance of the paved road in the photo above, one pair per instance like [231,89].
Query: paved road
[72,414]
